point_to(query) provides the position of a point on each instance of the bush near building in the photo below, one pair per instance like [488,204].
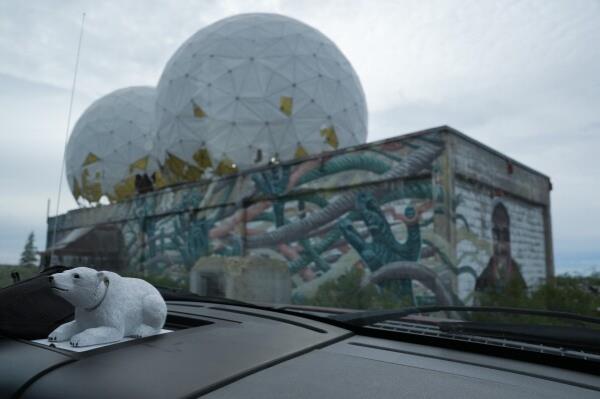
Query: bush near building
[344,292]
[566,293]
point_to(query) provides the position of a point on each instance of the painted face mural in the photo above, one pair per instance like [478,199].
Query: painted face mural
[501,231]
[502,270]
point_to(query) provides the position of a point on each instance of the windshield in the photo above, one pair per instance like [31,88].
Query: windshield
[279,159]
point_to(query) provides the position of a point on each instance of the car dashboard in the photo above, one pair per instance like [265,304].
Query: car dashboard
[232,351]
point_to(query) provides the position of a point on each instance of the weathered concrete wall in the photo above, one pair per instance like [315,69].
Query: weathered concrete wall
[481,164]
[483,177]
[248,278]
[397,202]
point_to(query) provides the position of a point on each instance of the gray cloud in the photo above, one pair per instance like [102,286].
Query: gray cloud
[521,76]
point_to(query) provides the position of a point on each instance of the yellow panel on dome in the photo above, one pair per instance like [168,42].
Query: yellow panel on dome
[76,189]
[285,105]
[226,167]
[140,164]
[180,170]
[90,190]
[330,136]
[198,111]
[175,165]
[125,189]
[192,173]
[159,180]
[202,158]
[300,152]
[90,159]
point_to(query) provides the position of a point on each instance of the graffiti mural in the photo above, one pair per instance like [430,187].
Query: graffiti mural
[384,210]
[501,269]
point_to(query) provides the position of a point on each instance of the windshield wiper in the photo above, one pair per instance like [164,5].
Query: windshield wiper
[171,294]
[574,337]
[367,318]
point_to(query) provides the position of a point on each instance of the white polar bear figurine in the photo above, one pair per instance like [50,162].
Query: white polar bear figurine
[108,307]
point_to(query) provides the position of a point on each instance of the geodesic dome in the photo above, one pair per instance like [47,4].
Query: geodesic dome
[111,146]
[253,88]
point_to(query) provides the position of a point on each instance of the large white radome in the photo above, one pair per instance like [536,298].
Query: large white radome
[111,143]
[254,87]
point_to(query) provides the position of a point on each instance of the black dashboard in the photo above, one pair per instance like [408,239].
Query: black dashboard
[229,351]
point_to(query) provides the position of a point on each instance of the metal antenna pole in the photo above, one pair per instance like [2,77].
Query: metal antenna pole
[62,168]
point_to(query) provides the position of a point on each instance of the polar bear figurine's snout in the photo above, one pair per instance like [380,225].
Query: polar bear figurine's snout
[108,307]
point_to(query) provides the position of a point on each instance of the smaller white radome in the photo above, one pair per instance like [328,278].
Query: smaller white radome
[111,144]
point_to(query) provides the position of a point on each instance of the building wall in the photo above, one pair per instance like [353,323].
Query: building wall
[482,178]
[476,162]
[389,210]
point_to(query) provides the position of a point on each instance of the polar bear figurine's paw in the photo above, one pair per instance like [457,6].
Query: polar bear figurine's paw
[96,336]
[64,332]
[58,336]
[80,340]
[144,330]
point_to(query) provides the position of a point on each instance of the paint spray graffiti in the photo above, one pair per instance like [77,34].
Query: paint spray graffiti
[381,209]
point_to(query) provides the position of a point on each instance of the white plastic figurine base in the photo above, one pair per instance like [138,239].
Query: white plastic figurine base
[108,307]
[67,346]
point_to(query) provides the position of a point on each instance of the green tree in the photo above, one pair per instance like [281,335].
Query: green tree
[29,256]
[565,293]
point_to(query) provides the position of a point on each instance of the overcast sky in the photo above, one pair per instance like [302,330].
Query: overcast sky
[520,76]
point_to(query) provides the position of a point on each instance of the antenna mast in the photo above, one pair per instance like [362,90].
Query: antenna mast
[62,168]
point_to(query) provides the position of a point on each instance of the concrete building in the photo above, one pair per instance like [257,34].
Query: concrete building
[436,211]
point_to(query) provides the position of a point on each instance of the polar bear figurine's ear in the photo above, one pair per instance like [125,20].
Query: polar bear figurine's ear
[102,277]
